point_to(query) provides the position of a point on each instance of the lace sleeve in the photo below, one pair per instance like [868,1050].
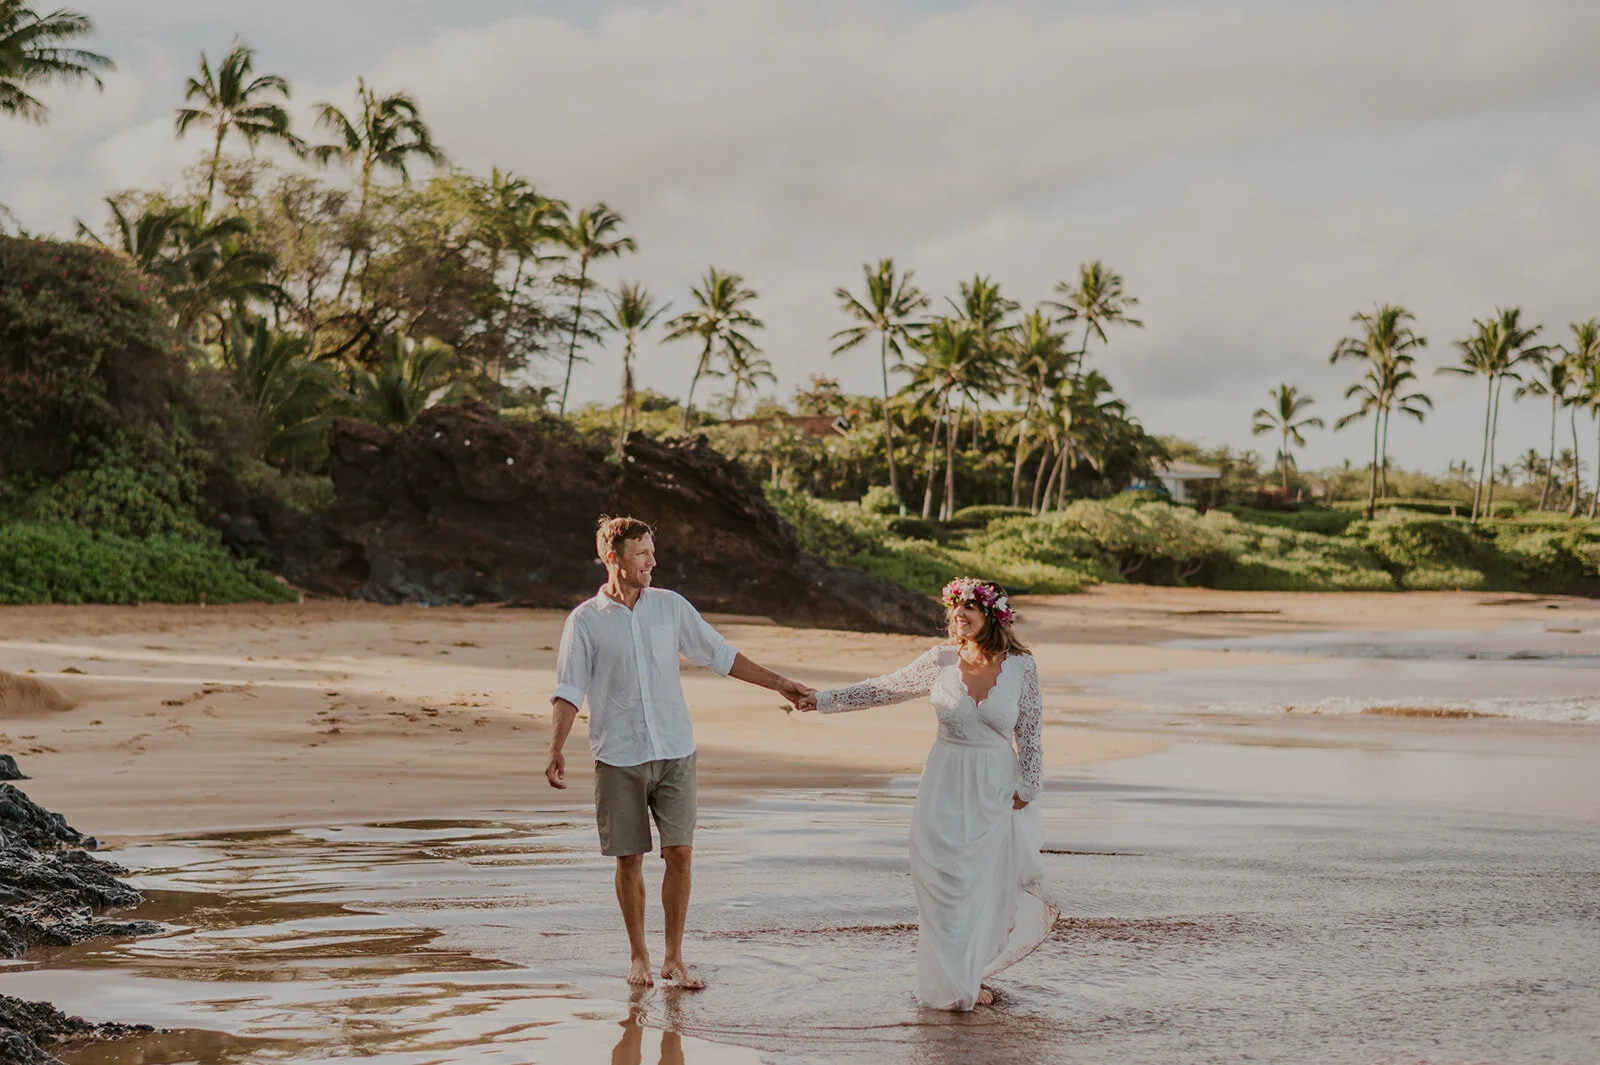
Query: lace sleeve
[897,687]
[1030,751]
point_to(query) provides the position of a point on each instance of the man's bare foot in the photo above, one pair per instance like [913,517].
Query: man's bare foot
[639,974]
[985,997]
[685,978]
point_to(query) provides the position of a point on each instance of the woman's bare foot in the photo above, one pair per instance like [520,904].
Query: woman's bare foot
[639,974]
[985,997]
[675,970]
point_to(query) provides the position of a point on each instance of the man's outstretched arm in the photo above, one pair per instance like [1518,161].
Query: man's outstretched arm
[555,771]
[762,677]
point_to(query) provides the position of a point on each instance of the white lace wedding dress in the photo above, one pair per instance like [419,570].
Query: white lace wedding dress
[981,899]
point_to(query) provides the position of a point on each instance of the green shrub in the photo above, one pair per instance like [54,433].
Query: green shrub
[309,493]
[1256,573]
[921,566]
[1327,522]
[981,517]
[834,532]
[1548,559]
[1279,559]
[1151,542]
[1407,542]
[85,351]
[917,529]
[1440,508]
[1445,579]
[69,564]
[119,499]
[880,500]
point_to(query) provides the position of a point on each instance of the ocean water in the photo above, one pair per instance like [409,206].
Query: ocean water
[1526,671]
[1200,926]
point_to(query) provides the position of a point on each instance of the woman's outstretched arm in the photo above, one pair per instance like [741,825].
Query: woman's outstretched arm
[1030,748]
[897,687]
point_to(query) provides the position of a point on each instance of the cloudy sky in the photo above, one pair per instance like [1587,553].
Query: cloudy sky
[1257,171]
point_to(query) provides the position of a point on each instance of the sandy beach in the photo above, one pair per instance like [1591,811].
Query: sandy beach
[189,719]
[341,796]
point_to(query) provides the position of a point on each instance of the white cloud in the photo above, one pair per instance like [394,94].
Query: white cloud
[1257,171]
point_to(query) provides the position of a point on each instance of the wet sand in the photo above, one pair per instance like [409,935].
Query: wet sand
[409,889]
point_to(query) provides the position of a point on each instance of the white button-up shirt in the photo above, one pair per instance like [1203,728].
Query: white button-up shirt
[626,662]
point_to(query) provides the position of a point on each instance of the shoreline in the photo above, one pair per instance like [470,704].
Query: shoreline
[190,718]
[337,746]
[415,928]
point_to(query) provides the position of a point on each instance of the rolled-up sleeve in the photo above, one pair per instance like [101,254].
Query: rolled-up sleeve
[702,644]
[573,664]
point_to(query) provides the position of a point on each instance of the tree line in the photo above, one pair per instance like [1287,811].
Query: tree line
[377,295]
[1501,348]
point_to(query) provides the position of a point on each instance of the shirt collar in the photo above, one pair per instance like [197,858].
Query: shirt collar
[607,603]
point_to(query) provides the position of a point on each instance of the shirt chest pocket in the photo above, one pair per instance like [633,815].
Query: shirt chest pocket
[663,646]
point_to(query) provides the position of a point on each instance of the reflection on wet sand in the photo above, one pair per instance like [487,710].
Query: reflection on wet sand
[1199,923]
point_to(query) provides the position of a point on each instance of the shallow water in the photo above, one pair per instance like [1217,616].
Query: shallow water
[1525,671]
[1202,926]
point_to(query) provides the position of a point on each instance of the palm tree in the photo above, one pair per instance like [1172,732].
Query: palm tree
[1037,361]
[33,53]
[1583,360]
[1097,300]
[1283,418]
[955,359]
[986,310]
[590,235]
[1495,350]
[410,377]
[292,396]
[1082,407]
[1385,344]
[387,134]
[721,321]
[220,271]
[147,238]
[889,310]
[1532,466]
[944,346]
[204,261]
[515,220]
[1558,382]
[633,310]
[747,370]
[1590,397]
[1381,391]
[231,101]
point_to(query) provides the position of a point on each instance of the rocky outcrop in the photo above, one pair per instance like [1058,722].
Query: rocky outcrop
[27,1028]
[50,893]
[468,507]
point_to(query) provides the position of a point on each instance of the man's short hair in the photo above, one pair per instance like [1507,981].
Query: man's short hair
[614,532]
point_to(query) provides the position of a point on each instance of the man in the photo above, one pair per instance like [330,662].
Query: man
[621,649]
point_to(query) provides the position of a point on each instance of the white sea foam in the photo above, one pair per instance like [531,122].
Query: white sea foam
[1525,672]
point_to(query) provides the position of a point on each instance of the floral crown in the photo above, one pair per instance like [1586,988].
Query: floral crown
[984,595]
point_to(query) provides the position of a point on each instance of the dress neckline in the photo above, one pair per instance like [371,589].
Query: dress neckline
[998,677]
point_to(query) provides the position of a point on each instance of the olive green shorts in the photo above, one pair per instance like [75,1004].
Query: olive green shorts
[626,796]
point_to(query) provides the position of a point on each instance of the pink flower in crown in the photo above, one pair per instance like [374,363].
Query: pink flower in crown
[986,596]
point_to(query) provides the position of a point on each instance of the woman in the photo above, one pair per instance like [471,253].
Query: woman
[975,832]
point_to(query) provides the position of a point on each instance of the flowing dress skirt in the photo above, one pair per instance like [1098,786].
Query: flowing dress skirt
[981,899]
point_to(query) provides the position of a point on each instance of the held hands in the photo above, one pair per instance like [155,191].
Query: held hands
[800,697]
[1016,801]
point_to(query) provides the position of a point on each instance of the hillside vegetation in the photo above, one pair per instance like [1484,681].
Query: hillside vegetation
[1133,538]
